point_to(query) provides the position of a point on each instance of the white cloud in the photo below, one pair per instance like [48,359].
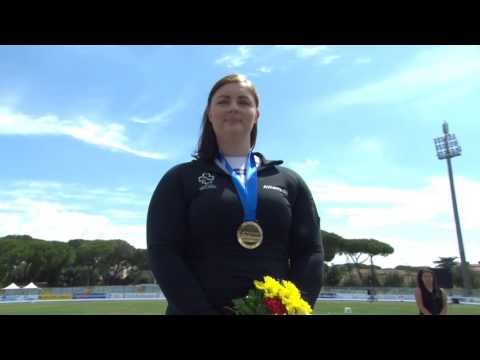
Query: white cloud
[379,206]
[265,69]
[111,135]
[431,70]
[41,185]
[362,60]
[305,167]
[43,214]
[162,118]
[329,59]
[367,145]
[322,52]
[237,59]
[127,215]
[70,195]
[51,221]
[121,188]
[418,223]
[303,51]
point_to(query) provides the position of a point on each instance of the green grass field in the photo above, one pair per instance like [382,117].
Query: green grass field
[158,308]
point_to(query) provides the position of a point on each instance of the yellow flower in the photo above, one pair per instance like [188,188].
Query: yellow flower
[303,308]
[292,300]
[289,291]
[298,306]
[288,294]
[269,286]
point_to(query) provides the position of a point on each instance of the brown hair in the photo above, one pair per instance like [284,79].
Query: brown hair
[207,147]
[420,283]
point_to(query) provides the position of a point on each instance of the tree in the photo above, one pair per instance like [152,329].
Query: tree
[79,262]
[101,261]
[368,248]
[393,279]
[140,259]
[349,280]
[89,254]
[140,272]
[117,261]
[331,245]
[18,256]
[457,277]
[24,259]
[333,275]
[409,268]
[374,248]
[52,258]
[4,270]
[140,277]
[21,272]
[411,283]
[446,262]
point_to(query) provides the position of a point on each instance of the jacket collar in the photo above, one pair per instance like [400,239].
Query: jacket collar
[264,164]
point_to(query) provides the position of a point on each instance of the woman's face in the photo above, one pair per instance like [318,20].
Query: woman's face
[427,278]
[233,111]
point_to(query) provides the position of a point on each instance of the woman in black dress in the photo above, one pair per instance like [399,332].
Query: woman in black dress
[430,298]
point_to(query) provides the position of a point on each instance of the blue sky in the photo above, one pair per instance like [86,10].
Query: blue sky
[86,132]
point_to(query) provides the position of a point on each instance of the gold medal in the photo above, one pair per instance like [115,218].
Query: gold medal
[250,235]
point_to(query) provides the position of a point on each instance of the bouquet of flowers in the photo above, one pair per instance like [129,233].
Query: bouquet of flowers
[272,297]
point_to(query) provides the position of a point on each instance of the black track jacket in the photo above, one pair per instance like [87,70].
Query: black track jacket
[193,251]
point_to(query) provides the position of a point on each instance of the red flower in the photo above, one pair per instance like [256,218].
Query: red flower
[275,306]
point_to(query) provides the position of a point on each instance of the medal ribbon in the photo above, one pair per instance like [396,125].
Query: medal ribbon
[247,193]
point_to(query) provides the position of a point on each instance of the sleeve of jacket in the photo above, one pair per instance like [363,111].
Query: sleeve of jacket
[166,239]
[306,254]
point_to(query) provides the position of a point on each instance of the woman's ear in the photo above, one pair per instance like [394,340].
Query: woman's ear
[209,115]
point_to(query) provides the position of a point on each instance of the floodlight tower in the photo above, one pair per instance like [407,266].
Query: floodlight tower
[447,147]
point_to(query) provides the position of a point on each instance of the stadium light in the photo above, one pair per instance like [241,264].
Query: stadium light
[447,147]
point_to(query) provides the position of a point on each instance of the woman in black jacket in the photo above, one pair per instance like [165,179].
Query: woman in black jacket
[230,216]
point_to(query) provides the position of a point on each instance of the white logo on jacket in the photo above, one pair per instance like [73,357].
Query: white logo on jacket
[206,179]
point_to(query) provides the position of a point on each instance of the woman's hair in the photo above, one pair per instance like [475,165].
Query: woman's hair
[207,147]
[421,285]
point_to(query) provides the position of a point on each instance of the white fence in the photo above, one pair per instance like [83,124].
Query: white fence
[391,297]
[152,292]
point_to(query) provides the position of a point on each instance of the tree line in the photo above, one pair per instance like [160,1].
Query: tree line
[79,262]
[400,276]
[358,251]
